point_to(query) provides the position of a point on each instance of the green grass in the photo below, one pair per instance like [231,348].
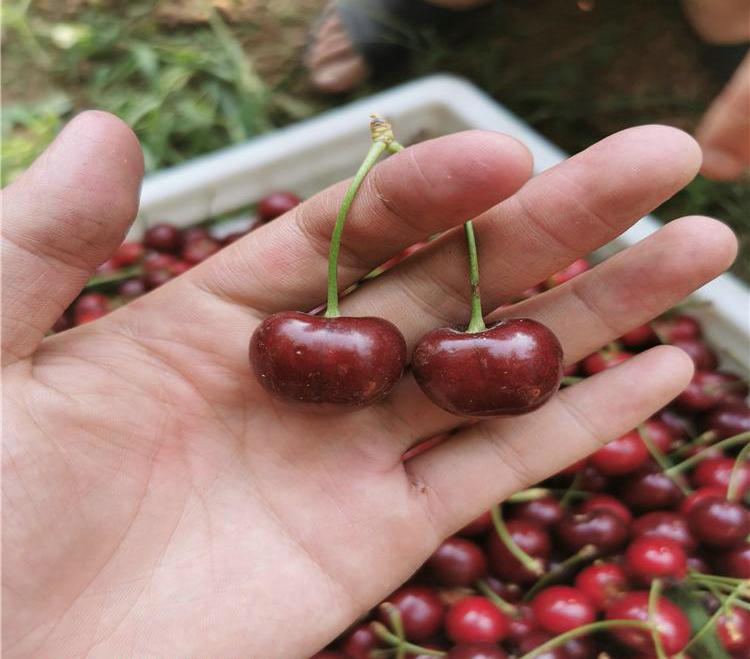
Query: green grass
[190,84]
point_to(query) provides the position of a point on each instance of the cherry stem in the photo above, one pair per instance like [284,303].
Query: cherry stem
[382,136]
[711,622]
[506,607]
[653,601]
[533,565]
[570,380]
[583,555]
[734,479]
[476,323]
[382,632]
[591,628]
[662,461]
[698,457]
[531,494]
[573,487]
[112,277]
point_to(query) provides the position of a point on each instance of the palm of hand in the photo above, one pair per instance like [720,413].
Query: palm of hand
[158,503]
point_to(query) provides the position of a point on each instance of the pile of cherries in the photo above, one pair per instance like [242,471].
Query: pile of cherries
[641,550]
[164,253]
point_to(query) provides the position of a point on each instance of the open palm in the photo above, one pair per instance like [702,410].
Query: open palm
[157,503]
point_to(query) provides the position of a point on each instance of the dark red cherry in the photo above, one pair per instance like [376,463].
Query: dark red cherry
[163,238]
[91,302]
[128,254]
[694,498]
[621,456]
[665,524]
[475,620]
[703,357]
[546,511]
[678,423]
[359,642]
[510,592]
[131,288]
[275,204]
[344,361]
[658,433]
[734,562]
[476,651]
[530,537]
[601,528]
[677,327]
[537,638]
[602,583]
[582,647]
[199,249]
[607,502]
[478,526]
[717,472]
[154,278]
[559,609]
[64,322]
[521,624]
[651,490]
[194,233]
[706,390]
[720,523]
[593,480]
[648,558]
[573,469]
[421,611]
[672,624]
[639,337]
[728,420]
[733,630]
[457,562]
[604,359]
[512,367]
[567,273]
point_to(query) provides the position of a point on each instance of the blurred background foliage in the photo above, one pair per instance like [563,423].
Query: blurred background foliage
[191,76]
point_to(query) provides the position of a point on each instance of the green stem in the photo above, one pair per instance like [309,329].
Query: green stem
[570,380]
[653,601]
[506,607]
[662,461]
[382,632]
[115,276]
[734,479]
[476,323]
[531,494]
[711,622]
[591,628]
[533,565]
[698,457]
[584,554]
[573,487]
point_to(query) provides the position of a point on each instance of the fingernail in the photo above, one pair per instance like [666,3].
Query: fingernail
[721,165]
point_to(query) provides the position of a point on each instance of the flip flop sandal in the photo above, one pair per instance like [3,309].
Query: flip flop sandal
[382,32]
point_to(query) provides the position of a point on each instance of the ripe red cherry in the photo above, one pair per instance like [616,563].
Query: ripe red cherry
[604,359]
[733,630]
[694,498]
[559,609]
[568,272]
[199,249]
[535,639]
[344,361]
[672,624]
[648,558]
[275,204]
[530,537]
[476,651]
[602,583]
[90,306]
[720,523]
[64,322]
[621,456]
[734,562]
[639,337]
[475,620]
[706,390]
[665,524]
[163,238]
[659,434]
[128,254]
[154,278]
[457,562]
[546,511]
[717,472]
[359,642]
[131,288]
[651,490]
[678,423]
[703,357]
[89,316]
[158,261]
[512,367]
[593,480]
[421,611]
[728,420]
[521,624]
[601,528]
[677,327]
[582,647]
[607,502]
[478,526]
[194,233]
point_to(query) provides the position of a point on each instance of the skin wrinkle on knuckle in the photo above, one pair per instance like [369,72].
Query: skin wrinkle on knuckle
[579,417]
[509,456]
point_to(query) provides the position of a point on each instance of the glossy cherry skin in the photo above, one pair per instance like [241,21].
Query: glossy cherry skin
[607,502]
[720,523]
[421,611]
[530,537]
[601,528]
[131,288]
[559,609]
[512,367]
[567,273]
[728,420]
[359,642]
[734,562]
[276,204]
[659,434]
[128,254]
[672,624]
[537,638]
[475,620]
[199,249]
[694,498]
[64,322]
[733,630]
[476,651]
[621,456]
[582,647]
[344,361]
[91,302]
[679,424]
[648,558]
[706,390]
[717,472]
[457,562]
[602,583]
[665,524]
[521,624]
[604,359]
[703,357]
[163,238]
[639,337]
[546,511]
[677,327]
[651,490]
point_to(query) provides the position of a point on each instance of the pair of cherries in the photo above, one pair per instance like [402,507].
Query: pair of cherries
[332,361]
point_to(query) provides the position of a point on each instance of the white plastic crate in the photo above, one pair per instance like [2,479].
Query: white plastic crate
[310,155]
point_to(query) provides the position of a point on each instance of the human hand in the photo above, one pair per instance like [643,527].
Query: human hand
[157,503]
